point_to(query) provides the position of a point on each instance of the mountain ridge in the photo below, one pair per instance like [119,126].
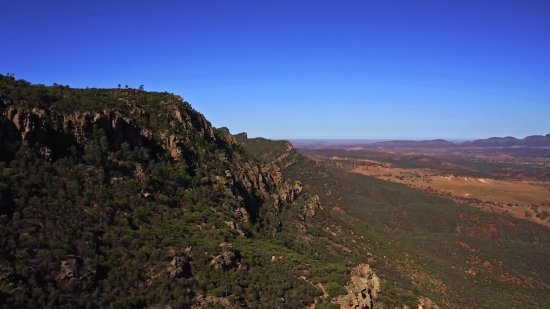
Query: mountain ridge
[492,142]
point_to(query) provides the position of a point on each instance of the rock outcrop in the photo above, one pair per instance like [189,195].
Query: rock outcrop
[287,193]
[179,267]
[426,303]
[227,259]
[362,290]
[73,275]
[311,207]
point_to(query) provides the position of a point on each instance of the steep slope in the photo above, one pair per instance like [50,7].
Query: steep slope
[130,199]
[419,245]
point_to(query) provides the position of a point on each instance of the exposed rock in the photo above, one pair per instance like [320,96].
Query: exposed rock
[276,258]
[226,260]
[74,276]
[362,290]
[179,267]
[287,193]
[243,214]
[56,131]
[310,209]
[426,303]
[61,134]
[231,224]
[205,301]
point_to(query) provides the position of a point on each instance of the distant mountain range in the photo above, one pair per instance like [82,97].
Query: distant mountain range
[493,142]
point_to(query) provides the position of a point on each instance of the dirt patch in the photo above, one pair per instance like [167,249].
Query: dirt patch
[506,277]
[465,245]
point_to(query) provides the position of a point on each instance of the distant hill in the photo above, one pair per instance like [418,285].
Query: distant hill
[436,143]
[493,142]
[508,141]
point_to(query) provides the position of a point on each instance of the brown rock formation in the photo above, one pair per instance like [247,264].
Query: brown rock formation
[179,267]
[287,193]
[426,303]
[75,276]
[310,209]
[363,288]
[225,261]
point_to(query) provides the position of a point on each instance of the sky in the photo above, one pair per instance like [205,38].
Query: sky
[303,69]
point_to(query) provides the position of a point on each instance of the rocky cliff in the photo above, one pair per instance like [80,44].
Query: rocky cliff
[56,134]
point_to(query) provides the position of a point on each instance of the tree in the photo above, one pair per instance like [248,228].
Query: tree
[118,86]
[141,87]
[126,86]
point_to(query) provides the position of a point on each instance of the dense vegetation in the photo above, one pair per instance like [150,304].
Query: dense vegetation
[118,221]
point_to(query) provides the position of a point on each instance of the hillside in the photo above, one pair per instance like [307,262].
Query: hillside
[130,199]
[124,198]
[458,256]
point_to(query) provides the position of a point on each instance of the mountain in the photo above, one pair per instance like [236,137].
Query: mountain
[131,199]
[493,142]
[529,141]
[124,198]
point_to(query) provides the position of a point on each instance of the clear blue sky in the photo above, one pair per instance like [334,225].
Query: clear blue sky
[303,69]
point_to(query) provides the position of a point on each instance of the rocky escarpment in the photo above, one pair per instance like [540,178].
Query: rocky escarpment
[56,134]
[58,131]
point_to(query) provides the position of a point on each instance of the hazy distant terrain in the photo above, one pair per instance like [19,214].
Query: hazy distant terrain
[505,175]
[533,141]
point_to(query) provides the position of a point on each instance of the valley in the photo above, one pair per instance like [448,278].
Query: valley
[517,185]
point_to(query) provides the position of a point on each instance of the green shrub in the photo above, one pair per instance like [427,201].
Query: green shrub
[334,289]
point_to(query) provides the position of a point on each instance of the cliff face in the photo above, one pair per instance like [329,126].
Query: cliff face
[55,134]
[57,131]
[49,127]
